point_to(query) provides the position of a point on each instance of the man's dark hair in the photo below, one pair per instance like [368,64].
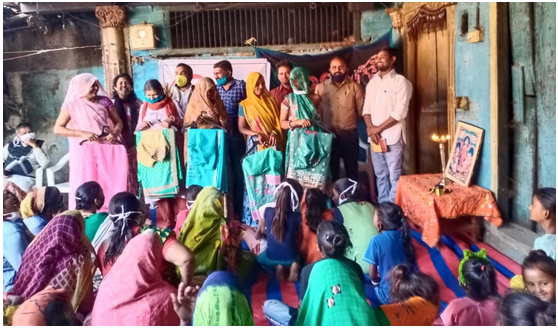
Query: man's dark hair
[187,68]
[393,52]
[339,58]
[224,64]
[284,63]
[23,125]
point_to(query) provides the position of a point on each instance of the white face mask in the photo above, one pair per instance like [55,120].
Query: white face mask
[19,140]
[189,204]
[351,190]
[294,196]
[12,216]
[299,92]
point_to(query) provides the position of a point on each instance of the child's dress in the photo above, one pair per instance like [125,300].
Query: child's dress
[467,312]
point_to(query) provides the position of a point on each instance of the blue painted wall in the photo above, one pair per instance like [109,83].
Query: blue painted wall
[472,79]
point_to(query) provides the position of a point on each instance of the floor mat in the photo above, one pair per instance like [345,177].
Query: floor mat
[441,263]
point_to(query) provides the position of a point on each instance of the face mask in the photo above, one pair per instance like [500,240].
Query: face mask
[338,78]
[294,196]
[222,81]
[19,140]
[181,80]
[189,204]
[156,100]
[299,92]
[12,216]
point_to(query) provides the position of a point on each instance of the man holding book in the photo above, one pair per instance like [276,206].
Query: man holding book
[385,108]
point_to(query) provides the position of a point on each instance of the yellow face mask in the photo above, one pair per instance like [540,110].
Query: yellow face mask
[181,80]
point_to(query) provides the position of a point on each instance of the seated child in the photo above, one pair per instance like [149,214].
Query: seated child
[282,226]
[539,275]
[523,309]
[391,247]
[191,195]
[480,307]
[543,211]
[415,297]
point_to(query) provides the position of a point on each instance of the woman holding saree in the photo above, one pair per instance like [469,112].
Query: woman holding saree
[258,121]
[61,256]
[300,108]
[87,114]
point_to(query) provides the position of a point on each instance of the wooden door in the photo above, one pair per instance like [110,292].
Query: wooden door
[431,94]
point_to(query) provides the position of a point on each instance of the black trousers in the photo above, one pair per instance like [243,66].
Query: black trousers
[345,146]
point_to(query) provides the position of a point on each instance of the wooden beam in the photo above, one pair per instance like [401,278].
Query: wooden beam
[494,101]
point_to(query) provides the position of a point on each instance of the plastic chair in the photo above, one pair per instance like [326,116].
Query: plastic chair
[64,187]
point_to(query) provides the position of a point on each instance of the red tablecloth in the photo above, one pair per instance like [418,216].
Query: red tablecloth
[426,209]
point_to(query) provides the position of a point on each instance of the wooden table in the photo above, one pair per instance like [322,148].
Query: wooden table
[427,210]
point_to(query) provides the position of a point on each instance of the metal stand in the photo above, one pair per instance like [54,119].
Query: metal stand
[445,181]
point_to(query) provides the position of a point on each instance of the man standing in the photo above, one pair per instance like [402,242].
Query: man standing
[341,106]
[387,103]
[181,90]
[232,92]
[284,68]
[22,157]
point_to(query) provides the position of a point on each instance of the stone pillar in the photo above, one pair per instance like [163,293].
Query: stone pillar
[115,58]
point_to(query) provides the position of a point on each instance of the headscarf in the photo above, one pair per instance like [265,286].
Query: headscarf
[31,312]
[199,102]
[86,115]
[61,256]
[222,302]
[262,113]
[35,201]
[134,292]
[305,107]
[335,297]
[202,231]
[14,189]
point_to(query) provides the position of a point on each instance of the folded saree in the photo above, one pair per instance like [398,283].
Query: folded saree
[262,175]
[206,159]
[308,156]
[163,179]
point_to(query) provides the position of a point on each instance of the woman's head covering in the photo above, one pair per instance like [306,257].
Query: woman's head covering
[199,102]
[305,107]
[134,293]
[14,189]
[61,256]
[221,302]
[261,112]
[80,85]
[32,311]
[213,239]
[335,297]
[39,200]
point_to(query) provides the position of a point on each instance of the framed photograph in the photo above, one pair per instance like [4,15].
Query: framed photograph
[464,153]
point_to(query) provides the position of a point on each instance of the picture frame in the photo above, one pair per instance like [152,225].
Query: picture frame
[464,153]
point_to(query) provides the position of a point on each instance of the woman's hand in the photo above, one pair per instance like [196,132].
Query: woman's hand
[201,120]
[184,302]
[144,125]
[305,123]
[272,140]
[88,136]
[166,123]
[110,137]
[262,139]
[213,113]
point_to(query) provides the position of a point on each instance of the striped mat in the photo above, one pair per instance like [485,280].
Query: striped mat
[441,263]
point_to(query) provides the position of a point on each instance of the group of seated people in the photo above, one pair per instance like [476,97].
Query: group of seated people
[82,266]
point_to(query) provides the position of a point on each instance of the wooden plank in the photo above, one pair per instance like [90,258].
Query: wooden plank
[518,94]
[494,100]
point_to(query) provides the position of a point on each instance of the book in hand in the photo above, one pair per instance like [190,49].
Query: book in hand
[380,147]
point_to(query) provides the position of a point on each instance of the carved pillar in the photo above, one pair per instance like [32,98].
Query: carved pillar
[115,60]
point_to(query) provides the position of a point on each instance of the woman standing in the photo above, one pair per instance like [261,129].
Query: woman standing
[85,117]
[300,108]
[258,121]
[127,106]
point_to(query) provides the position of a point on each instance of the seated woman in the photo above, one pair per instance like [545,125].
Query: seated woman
[40,206]
[135,293]
[160,111]
[314,211]
[16,237]
[212,238]
[258,121]
[357,216]
[61,256]
[127,107]
[89,199]
[49,307]
[126,213]
[87,114]
[333,240]
[415,297]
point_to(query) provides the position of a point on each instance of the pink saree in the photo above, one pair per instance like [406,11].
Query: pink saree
[100,161]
